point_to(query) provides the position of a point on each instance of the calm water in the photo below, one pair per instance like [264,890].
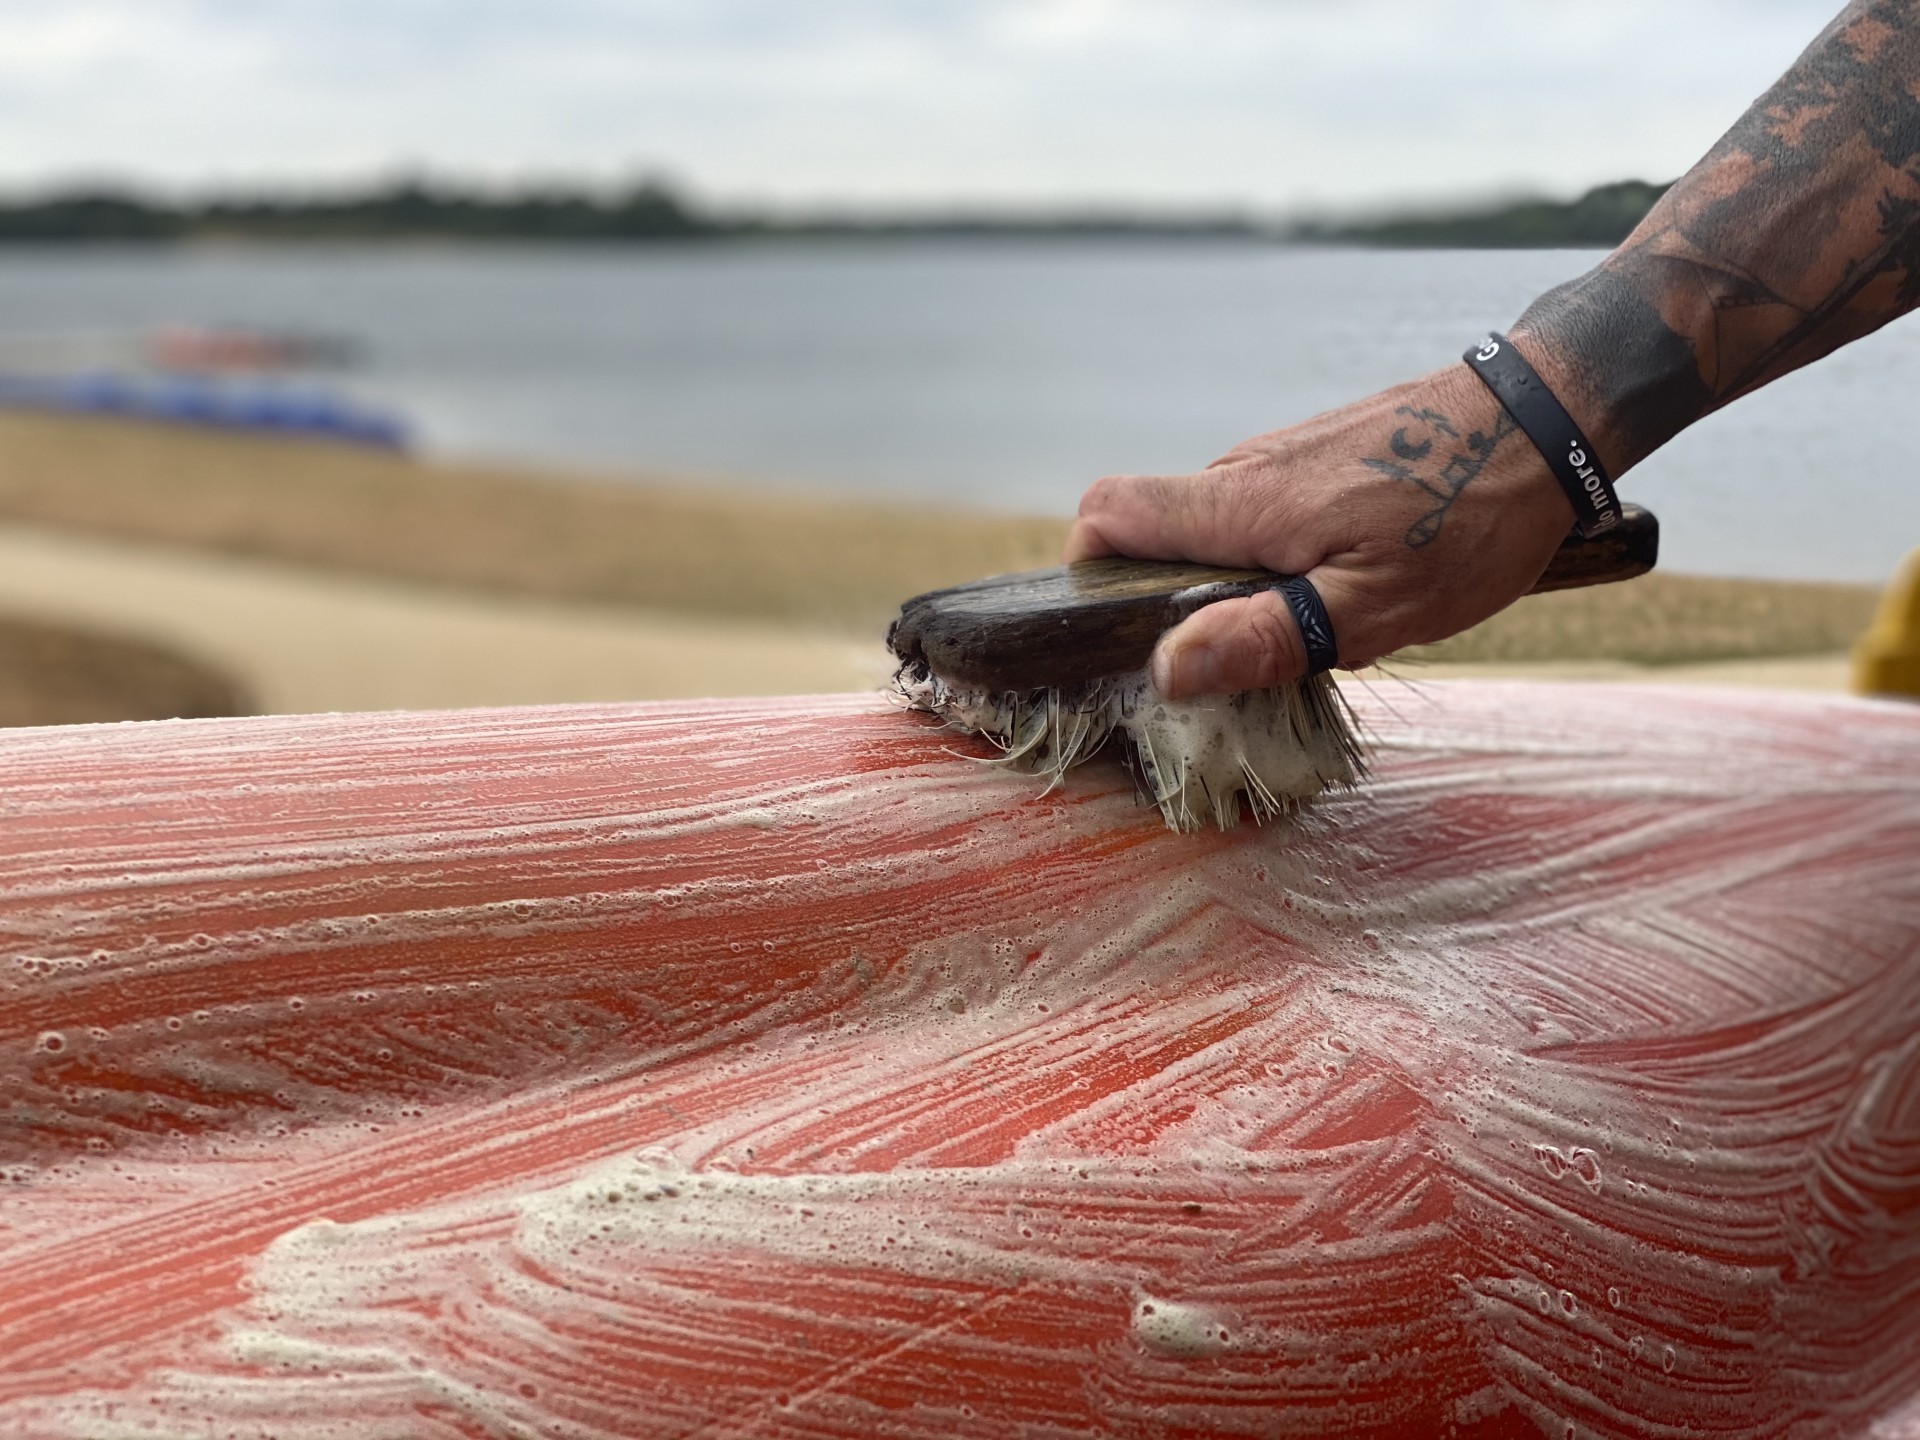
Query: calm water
[1003,376]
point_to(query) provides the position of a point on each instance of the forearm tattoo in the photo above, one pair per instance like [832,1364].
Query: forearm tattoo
[1440,471]
[1798,232]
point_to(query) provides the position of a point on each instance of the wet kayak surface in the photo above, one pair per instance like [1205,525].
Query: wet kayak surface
[776,1068]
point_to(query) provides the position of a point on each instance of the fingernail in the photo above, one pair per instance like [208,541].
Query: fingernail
[1187,670]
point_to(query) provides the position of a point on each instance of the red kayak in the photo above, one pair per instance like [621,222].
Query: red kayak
[775,1069]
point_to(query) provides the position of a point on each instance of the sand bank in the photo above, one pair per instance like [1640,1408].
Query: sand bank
[324,577]
[1831,672]
[53,672]
[666,544]
[658,544]
[300,640]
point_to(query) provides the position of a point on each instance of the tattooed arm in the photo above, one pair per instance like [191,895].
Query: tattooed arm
[1423,510]
[1798,232]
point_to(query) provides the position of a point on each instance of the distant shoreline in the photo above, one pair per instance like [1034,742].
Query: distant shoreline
[651,214]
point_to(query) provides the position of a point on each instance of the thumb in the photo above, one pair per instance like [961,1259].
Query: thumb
[1243,644]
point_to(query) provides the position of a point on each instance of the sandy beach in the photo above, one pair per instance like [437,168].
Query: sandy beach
[310,577]
[300,640]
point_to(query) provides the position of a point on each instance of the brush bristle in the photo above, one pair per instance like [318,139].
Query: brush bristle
[1198,760]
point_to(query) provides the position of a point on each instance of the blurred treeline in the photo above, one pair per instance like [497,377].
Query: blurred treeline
[1602,217]
[647,212]
[652,211]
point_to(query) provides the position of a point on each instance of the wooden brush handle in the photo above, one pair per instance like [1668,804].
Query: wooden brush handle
[1627,550]
[1083,622]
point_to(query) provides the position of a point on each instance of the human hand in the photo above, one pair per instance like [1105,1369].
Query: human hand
[1416,513]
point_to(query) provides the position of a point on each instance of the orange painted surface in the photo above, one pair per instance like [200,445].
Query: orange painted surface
[770,1069]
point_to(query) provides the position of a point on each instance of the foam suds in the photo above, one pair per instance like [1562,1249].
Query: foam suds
[543,1073]
[1200,760]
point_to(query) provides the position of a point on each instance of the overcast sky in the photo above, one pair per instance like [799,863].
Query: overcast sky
[1274,104]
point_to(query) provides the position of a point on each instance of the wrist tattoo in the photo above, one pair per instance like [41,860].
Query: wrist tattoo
[1439,471]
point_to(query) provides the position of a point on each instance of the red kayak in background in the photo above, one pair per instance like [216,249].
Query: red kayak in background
[772,1069]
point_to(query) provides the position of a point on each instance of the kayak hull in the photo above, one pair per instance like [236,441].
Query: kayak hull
[772,1068]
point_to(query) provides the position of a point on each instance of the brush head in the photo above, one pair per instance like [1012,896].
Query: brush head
[1210,760]
[1051,665]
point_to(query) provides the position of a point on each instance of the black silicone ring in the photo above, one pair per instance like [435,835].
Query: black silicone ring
[1316,628]
[1505,371]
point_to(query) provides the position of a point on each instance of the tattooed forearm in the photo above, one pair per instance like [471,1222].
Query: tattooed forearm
[1440,472]
[1798,232]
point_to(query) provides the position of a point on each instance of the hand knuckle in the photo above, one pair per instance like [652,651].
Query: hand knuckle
[1274,633]
[1104,494]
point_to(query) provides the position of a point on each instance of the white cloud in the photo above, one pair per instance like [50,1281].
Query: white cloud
[894,101]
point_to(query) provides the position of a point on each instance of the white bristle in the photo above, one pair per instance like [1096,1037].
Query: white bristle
[1199,760]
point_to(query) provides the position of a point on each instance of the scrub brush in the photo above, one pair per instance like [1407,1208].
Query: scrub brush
[1051,665]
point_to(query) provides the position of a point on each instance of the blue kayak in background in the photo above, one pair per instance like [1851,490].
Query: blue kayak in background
[219,403]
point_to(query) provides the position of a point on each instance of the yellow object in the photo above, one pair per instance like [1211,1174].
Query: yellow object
[1887,659]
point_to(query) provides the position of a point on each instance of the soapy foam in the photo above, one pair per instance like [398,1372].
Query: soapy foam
[1565,1077]
[1202,760]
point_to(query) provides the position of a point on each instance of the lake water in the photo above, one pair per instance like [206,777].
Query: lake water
[998,375]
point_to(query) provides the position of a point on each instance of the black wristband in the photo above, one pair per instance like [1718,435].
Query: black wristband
[1316,627]
[1547,424]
